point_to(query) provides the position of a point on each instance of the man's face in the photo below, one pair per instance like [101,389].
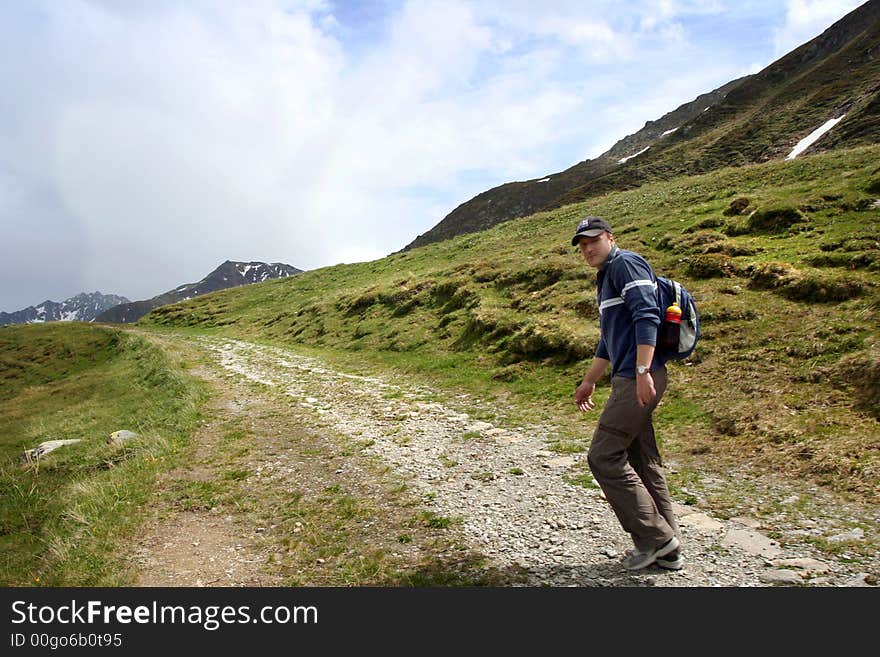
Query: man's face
[595,250]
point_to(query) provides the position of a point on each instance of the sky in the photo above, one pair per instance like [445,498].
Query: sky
[144,143]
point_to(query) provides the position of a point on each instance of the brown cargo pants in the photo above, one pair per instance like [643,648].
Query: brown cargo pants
[626,463]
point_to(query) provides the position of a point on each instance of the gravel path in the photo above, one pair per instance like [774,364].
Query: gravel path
[514,497]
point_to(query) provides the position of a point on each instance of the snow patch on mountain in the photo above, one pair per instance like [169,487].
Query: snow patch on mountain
[813,137]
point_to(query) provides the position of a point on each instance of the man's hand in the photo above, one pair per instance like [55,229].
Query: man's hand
[645,390]
[583,396]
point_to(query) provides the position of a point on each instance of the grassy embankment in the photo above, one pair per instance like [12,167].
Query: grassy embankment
[783,259]
[63,516]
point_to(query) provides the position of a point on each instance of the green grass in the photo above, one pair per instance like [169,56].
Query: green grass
[584,480]
[786,375]
[435,521]
[62,517]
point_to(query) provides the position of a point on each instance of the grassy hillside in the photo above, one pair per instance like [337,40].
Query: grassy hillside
[61,516]
[783,259]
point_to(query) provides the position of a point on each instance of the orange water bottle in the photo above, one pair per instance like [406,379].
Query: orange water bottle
[671,328]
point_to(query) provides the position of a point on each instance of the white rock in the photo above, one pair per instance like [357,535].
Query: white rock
[861,579]
[119,438]
[752,542]
[702,522]
[855,534]
[805,564]
[747,522]
[44,448]
[781,577]
[560,462]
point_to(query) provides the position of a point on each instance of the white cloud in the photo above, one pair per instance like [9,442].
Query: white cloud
[806,19]
[163,138]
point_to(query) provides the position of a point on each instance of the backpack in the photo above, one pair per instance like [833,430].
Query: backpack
[669,291]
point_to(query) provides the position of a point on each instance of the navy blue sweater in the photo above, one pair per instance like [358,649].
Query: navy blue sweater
[629,311]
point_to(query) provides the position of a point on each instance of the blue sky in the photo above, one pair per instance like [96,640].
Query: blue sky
[144,143]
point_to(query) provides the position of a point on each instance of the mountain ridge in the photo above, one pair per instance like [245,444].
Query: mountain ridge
[522,198]
[749,120]
[229,274]
[83,307]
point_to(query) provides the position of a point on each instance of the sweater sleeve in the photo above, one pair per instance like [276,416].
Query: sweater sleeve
[602,350]
[638,286]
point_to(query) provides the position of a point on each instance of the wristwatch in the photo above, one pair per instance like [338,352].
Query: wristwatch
[642,369]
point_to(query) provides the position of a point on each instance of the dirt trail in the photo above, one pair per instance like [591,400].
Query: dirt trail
[189,542]
[513,500]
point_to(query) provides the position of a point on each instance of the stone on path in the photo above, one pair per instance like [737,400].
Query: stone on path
[806,564]
[702,522]
[559,462]
[856,534]
[751,541]
[781,576]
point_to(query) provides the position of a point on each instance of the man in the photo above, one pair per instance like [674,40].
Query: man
[623,455]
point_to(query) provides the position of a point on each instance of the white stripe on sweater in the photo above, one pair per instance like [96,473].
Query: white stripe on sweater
[638,283]
[616,301]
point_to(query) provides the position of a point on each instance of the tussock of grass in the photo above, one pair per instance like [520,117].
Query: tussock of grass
[737,206]
[710,265]
[862,371]
[824,288]
[774,220]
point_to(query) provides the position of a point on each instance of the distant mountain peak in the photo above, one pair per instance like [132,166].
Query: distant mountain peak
[83,307]
[230,273]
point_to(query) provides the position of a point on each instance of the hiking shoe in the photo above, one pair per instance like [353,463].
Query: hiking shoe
[672,561]
[636,560]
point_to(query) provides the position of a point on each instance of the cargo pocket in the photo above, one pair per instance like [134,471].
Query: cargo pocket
[608,451]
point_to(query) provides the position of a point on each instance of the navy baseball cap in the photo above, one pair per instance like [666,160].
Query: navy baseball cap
[590,227]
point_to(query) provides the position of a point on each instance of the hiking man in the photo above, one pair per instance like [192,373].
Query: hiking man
[623,454]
